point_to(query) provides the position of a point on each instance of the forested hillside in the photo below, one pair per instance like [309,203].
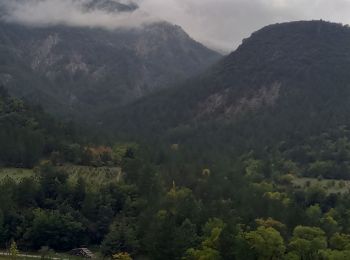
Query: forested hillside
[169,205]
[28,134]
[285,79]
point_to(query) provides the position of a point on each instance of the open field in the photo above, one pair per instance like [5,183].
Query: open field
[15,173]
[4,256]
[34,256]
[92,175]
[331,186]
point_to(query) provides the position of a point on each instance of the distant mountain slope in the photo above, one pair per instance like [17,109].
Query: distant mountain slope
[286,79]
[80,71]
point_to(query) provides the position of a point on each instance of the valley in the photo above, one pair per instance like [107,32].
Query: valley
[138,142]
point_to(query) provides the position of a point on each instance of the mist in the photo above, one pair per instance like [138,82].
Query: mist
[71,13]
[220,24]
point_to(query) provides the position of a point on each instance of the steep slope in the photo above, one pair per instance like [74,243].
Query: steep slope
[286,79]
[79,71]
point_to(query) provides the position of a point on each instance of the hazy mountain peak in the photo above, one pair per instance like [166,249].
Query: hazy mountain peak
[91,68]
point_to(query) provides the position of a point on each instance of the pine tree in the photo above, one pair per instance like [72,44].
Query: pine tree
[13,250]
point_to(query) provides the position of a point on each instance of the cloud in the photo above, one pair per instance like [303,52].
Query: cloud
[218,23]
[224,23]
[70,12]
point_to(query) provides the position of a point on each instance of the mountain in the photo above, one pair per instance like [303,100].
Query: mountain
[79,71]
[285,82]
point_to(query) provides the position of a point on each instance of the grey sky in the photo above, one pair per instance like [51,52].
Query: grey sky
[218,23]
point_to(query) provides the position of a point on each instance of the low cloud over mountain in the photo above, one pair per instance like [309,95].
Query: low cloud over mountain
[93,13]
[218,23]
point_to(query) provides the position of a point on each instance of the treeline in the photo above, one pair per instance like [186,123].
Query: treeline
[90,155]
[27,134]
[174,209]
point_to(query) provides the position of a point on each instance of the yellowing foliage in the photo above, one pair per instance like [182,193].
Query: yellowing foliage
[122,256]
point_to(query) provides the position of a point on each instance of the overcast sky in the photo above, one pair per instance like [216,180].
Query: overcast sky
[217,23]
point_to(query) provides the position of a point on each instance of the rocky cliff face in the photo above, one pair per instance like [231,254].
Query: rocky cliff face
[80,71]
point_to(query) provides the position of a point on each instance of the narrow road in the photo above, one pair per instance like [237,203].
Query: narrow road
[32,256]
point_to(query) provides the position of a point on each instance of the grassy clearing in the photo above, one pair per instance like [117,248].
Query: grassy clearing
[35,255]
[92,175]
[15,173]
[331,186]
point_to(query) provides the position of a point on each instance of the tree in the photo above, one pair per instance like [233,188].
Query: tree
[229,245]
[340,241]
[168,239]
[26,192]
[212,232]
[315,195]
[307,242]
[321,168]
[334,254]
[52,182]
[314,214]
[13,250]
[185,236]
[54,229]
[254,170]
[2,228]
[122,256]
[205,253]
[209,248]
[266,242]
[79,192]
[181,203]
[270,222]
[328,223]
[159,239]
[121,238]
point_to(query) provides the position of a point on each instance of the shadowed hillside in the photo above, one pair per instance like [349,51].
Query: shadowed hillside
[285,79]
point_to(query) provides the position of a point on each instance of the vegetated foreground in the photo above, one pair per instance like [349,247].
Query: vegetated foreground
[263,175]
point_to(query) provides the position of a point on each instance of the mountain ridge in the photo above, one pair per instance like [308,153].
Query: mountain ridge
[82,70]
[269,78]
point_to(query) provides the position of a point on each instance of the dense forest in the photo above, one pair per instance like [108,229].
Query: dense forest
[28,134]
[252,161]
[165,206]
